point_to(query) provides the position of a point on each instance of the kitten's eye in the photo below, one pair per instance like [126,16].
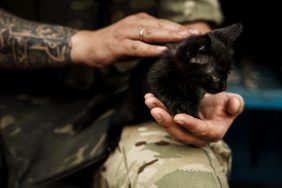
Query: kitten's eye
[202,48]
[216,77]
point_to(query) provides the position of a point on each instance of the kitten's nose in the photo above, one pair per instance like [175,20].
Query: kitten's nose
[222,86]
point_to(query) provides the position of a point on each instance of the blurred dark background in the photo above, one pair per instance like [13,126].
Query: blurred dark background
[255,137]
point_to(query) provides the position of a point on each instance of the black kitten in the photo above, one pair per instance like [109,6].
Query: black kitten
[189,69]
[179,78]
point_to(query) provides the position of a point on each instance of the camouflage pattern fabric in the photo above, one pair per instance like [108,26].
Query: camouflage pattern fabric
[148,158]
[175,10]
[39,143]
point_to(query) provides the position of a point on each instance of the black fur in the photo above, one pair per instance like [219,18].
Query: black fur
[187,70]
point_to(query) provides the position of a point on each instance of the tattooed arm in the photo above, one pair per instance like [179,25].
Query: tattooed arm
[27,44]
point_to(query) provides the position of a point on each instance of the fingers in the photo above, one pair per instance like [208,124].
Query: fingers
[153,34]
[207,130]
[220,111]
[175,131]
[153,29]
[151,101]
[131,36]
[145,15]
[163,35]
[146,20]
[135,45]
[138,48]
[162,117]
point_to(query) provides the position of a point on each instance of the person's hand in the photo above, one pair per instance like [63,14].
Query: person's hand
[135,35]
[217,112]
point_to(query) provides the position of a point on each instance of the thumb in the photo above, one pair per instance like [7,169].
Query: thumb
[235,105]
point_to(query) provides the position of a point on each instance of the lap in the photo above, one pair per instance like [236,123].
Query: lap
[148,157]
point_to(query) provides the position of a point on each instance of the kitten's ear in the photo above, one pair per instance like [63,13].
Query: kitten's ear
[230,33]
[192,46]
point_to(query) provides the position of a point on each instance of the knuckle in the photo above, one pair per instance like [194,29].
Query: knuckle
[202,133]
[134,47]
[174,34]
[147,35]
[114,51]
[118,34]
[161,22]
[218,135]
[142,14]
[112,43]
[130,19]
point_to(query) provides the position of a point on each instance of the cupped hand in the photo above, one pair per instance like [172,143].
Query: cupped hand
[135,35]
[217,112]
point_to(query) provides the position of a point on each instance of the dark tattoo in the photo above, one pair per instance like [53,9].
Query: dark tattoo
[28,44]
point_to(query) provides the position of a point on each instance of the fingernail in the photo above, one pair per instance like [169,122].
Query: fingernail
[184,33]
[162,48]
[237,105]
[148,95]
[157,116]
[179,121]
[194,31]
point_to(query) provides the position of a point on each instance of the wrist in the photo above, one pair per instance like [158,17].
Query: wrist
[79,43]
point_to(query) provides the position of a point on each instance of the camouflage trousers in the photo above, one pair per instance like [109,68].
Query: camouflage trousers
[148,158]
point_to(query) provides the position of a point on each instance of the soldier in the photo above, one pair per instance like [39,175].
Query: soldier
[50,67]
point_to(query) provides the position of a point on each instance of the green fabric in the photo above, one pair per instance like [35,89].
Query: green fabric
[148,157]
[40,143]
[175,10]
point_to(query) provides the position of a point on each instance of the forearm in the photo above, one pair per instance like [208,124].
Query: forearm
[27,44]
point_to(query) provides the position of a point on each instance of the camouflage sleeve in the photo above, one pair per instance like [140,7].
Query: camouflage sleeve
[175,10]
[191,10]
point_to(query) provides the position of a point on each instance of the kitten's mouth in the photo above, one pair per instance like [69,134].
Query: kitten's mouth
[215,91]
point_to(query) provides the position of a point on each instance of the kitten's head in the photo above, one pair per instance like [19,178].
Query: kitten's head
[205,60]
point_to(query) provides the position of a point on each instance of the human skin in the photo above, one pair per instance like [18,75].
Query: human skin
[122,39]
[217,112]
